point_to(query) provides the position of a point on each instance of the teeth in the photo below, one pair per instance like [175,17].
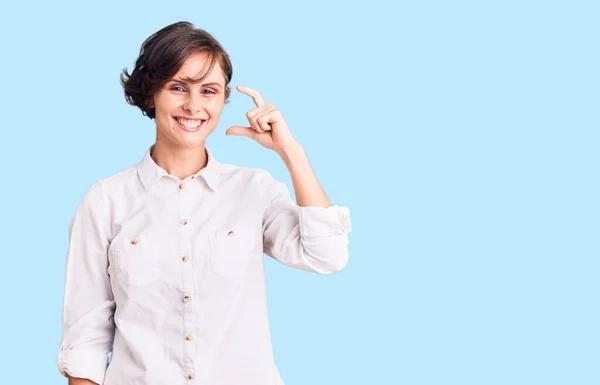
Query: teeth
[189,123]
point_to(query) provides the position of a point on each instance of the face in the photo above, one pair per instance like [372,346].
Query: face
[186,113]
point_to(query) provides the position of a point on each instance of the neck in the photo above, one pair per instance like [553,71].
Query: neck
[179,162]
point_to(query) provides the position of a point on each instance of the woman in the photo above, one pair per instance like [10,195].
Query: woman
[165,261]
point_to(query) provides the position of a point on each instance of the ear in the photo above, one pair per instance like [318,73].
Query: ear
[150,102]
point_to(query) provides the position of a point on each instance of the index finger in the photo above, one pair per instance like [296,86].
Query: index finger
[254,94]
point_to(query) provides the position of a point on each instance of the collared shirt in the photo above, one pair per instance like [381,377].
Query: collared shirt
[167,274]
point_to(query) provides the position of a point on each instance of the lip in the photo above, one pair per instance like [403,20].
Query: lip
[184,128]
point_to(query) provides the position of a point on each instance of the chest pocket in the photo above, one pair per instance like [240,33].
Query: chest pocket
[138,260]
[231,250]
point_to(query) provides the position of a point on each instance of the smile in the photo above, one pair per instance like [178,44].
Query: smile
[190,125]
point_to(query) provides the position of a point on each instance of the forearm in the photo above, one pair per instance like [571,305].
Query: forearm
[307,188]
[80,381]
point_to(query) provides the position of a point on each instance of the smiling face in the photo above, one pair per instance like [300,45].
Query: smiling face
[187,112]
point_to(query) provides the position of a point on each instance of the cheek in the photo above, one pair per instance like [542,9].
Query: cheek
[166,103]
[216,106]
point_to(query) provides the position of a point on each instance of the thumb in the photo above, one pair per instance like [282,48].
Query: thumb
[239,131]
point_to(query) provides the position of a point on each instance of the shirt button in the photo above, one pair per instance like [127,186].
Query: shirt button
[134,241]
[181,186]
[191,376]
[183,222]
[231,233]
[185,258]
[186,298]
[193,176]
[188,337]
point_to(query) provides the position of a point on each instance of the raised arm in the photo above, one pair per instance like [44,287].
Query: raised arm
[308,234]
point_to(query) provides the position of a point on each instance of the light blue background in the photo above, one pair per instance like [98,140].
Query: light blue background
[463,136]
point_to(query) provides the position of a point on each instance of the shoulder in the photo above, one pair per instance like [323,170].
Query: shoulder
[253,178]
[97,193]
[257,176]
[119,179]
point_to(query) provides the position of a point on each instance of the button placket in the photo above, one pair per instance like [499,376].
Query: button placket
[187,276]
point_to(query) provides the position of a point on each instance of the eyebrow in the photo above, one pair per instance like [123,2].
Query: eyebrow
[192,81]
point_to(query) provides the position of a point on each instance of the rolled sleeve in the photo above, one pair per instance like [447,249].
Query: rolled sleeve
[88,305]
[308,238]
[324,222]
[81,363]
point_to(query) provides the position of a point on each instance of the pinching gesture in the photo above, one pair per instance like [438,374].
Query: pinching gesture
[267,125]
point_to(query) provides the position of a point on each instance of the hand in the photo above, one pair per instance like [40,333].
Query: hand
[267,125]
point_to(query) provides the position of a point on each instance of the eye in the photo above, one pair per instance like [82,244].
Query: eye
[209,91]
[174,88]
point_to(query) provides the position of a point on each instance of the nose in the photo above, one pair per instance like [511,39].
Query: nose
[192,103]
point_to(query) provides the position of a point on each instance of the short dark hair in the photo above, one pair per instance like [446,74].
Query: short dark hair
[162,55]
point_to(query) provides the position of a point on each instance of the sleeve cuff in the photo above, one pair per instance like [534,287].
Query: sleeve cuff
[322,222]
[83,364]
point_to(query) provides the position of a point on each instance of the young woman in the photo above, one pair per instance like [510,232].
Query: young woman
[165,261]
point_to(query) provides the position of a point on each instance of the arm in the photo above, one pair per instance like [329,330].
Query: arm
[80,381]
[307,188]
[308,234]
[87,331]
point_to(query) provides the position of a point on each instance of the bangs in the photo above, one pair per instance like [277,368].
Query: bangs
[206,69]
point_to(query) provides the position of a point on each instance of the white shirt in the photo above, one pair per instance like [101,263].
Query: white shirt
[168,274]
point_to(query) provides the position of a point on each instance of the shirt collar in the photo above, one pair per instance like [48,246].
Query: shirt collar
[150,172]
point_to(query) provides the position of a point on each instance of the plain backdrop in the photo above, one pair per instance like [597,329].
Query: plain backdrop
[462,135]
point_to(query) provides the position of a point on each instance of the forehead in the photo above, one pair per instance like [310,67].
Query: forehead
[196,67]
